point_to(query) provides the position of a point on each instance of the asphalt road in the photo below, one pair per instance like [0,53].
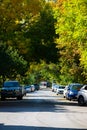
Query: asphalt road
[42,110]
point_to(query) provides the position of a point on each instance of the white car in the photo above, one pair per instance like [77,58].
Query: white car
[60,89]
[82,96]
[54,87]
[65,91]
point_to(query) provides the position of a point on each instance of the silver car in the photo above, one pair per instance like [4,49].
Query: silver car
[65,91]
[82,96]
[60,89]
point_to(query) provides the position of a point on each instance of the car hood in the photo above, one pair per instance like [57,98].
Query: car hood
[74,91]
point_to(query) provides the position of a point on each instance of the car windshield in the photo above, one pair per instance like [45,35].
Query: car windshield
[27,87]
[61,87]
[11,84]
[57,86]
[76,87]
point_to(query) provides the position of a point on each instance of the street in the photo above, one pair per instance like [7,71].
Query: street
[42,110]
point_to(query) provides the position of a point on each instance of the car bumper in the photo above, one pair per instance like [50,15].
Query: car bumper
[11,94]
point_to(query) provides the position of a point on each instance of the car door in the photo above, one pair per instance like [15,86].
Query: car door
[85,93]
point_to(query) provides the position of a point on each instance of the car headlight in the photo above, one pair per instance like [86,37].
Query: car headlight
[71,92]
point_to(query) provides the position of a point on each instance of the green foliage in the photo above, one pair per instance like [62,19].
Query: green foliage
[41,34]
[27,28]
[71,27]
[11,63]
[54,32]
[42,72]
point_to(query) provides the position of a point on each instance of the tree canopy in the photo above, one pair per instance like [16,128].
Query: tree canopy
[11,63]
[71,27]
[50,36]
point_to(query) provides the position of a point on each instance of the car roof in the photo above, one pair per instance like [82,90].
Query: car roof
[11,81]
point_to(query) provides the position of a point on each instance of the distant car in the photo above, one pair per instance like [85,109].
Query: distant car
[28,89]
[37,87]
[12,89]
[60,89]
[65,91]
[73,91]
[82,96]
[49,84]
[43,84]
[53,86]
[56,87]
[32,88]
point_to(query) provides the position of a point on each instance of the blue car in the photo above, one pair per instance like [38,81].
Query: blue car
[73,91]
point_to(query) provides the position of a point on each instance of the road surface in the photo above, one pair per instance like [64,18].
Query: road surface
[42,110]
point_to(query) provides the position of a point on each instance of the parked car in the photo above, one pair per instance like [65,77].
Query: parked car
[12,89]
[60,89]
[37,87]
[53,86]
[73,91]
[49,84]
[56,87]
[28,89]
[32,88]
[65,91]
[82,96]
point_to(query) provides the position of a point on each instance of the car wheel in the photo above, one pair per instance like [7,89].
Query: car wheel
[2,98]
[81,101]
[52,90]
[19,98]
[69,99]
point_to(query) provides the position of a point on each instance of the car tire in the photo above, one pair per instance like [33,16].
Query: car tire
[81,101]
[19,98]
[2,98]
[69,99]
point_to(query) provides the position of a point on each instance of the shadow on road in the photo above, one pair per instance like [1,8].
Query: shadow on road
[35,105]
[32,105]
[11,127]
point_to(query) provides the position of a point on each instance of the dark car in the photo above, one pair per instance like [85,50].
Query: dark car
[72,91]
[37,87]
[12,89]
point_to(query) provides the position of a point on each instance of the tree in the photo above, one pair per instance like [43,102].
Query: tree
[71,27]
[41,34]
[42,72]
[15,18]
[11,63]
